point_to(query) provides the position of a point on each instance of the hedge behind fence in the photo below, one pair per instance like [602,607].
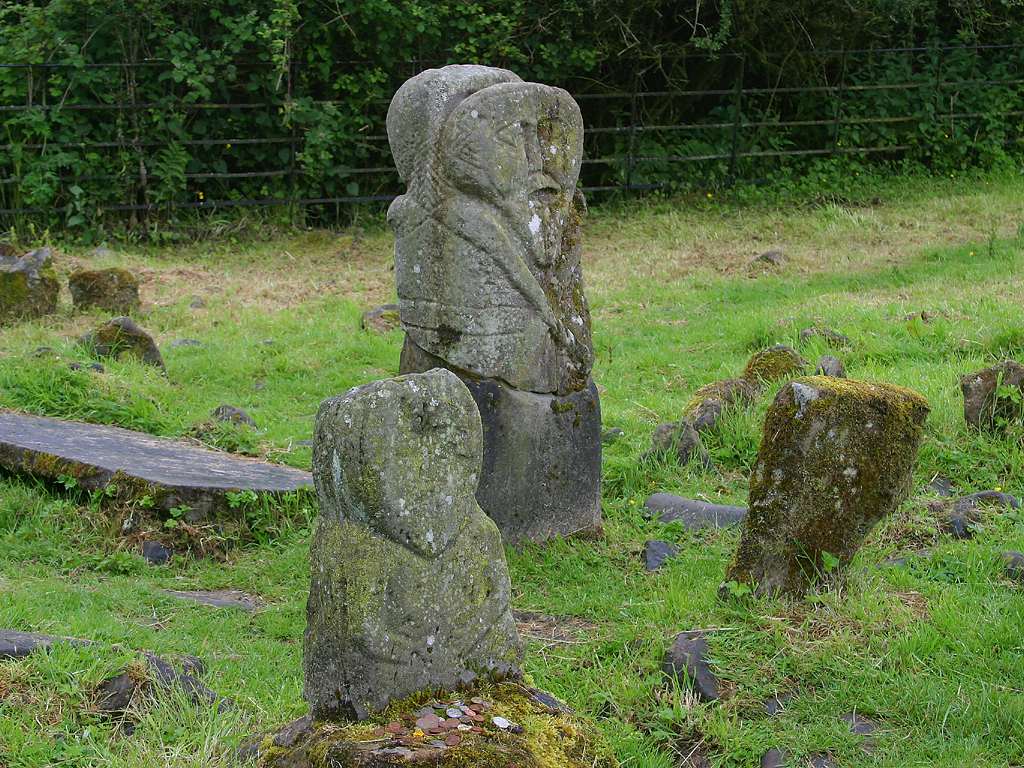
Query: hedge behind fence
[140,108]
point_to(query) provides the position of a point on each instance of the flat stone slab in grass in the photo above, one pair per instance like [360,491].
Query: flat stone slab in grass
[17,645]
[171,471]
[218,598]
[694,514]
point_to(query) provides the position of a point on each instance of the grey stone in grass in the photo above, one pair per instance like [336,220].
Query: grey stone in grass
[941,486]
[984,406]
[829,335]
[381,319]
[233,415]
[836,457]
[692,513]
[198,302]
[122,337]
[828,365]
[612,435]
[28,285]
[94,367]
[774,258]
[776,704]
[986,498]
[657,552]
[1014,565]
[409,586]
[706,406]
[774,758]
[114,290]
[680,442]
[115,695]
[218,598]
[822,760]
[686,661]
[179,343]
[16,645]
[155,553]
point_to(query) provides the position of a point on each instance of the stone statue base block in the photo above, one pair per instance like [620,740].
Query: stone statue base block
[541,474]
[520,727]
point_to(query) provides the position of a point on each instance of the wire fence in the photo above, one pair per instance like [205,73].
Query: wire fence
[152,147]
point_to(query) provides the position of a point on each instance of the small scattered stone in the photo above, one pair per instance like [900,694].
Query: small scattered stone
[924,316]
[197,303]
[178,343]
[115,694]
[121,337]
[822,760]
[774,758]
[233,415]
[657,552]
[381,319]
[693,514]
[859,725]
[706,406]
[218,598]
[15,644]
[774,363]
[28,285]
[686,662]
[984,406]
[830,336]
[501,722]
[1014,563]
[993,498]
[940,486]
[680,441]
[155,553]
[828,365]
[612,435]
[113,290]
[552,704]
[774,257]
[43,351]
[776,704]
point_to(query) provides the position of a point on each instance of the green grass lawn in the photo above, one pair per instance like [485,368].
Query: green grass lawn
[932,650]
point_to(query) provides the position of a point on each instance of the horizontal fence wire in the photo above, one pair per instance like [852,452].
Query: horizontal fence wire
[629,147]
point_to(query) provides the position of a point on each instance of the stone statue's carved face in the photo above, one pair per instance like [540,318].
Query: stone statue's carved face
[518,146]
[402,456]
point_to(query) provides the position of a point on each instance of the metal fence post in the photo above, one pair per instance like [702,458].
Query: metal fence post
[839,102]
[633,117]
[737,117]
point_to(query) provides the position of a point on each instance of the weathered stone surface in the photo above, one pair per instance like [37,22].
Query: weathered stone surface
[487,252]
[774,363]
[218,598]
[986,498]
[1014,564]
[680,441]
[613,435]
[775,258]
[693,514]
[171,472]
[381,319]
[28,285]
[537,736]
[541,474]
[656,553]
[829,335]
[409,591]
[156,553]
[233,415]
[114,290]
[774,758]
[686,661]
[828,365]
[116,694]
[122,337]
[707,404]
[940,486]
[836,457]
[17,645]
[984,407]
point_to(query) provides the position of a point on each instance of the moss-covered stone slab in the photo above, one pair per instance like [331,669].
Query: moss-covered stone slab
[115,290]
[836,457]
[409,586]
[28,285]
[170,472]
[513,726]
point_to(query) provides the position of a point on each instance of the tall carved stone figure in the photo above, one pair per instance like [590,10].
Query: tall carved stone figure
[487,261]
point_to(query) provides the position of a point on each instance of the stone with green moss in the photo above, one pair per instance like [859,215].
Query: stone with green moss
[113,290]
[708,403]
[410,590]
[774,363]
[836,457]
[121,337]
[28,285]
[544,736]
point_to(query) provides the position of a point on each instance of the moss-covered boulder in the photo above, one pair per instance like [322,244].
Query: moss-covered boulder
[774,363]
[113,290]
[516,727]
[410,589]
[121,337]
[708,403]
[994,397]
[836,457]
[28,285]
